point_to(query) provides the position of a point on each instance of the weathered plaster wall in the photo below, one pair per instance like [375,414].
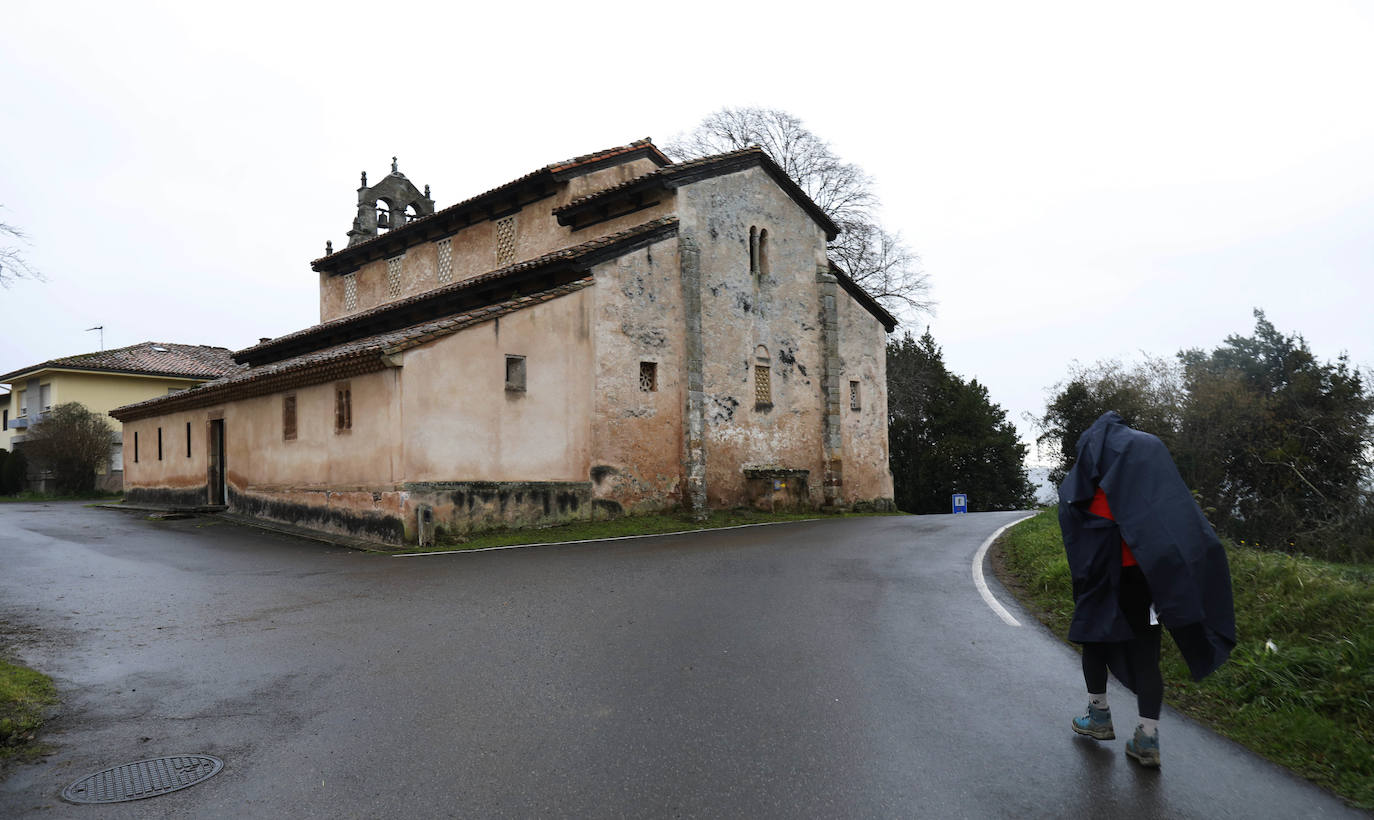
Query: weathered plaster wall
[176,478]
[740,312]
[637,455]
[462,424]
[863,355]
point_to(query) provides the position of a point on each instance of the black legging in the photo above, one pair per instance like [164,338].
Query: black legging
[1142,650]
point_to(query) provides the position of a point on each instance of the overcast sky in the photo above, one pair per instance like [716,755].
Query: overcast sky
[1082,180]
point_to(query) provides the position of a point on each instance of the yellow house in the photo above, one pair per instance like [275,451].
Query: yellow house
[102,381]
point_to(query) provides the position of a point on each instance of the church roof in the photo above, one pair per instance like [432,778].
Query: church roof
[352,358]
[684,173]
[507,198]
[144,359]
[566,262]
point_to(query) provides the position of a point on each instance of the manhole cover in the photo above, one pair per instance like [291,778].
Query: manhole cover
[146,778]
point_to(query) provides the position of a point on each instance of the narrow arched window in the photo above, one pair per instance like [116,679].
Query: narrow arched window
[763,254]
[412,213]
[753,251]
[383,215]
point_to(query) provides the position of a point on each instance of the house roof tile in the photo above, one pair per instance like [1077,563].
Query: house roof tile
[145,359]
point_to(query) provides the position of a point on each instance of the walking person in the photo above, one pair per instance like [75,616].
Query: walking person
[1141,555]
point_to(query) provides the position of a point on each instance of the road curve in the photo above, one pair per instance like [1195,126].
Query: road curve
[838,668]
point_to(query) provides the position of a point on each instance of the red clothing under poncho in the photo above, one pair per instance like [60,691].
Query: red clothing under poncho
[1099,508]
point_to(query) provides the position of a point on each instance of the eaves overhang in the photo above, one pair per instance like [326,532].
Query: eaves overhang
[592,207]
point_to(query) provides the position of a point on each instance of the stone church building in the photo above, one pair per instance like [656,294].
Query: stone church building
[613,333]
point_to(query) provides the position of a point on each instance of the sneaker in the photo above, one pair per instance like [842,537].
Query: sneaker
[1097,723]
[1144,748]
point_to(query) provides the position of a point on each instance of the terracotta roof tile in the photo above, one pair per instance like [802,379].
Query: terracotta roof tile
[358,356]
[146,358]
[567,254]
[683,173]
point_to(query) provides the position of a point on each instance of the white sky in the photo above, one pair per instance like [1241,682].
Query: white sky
[1082,180]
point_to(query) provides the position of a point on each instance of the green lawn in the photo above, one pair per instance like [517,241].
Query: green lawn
[24,694]
[624,526]
[1305,703]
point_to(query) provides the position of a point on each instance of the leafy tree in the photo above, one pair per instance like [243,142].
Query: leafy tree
[1278,442]
[1148,396]
[945,435]
[73,442]
[878,259]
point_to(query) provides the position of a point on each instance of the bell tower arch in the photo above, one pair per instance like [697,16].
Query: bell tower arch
[387,205]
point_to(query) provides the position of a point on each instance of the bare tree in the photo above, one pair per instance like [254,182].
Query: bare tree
[13,265]
[878,259]
[73,442]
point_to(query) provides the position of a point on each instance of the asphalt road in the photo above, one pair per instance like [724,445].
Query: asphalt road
[839,668]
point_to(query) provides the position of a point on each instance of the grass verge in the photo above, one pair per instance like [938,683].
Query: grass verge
[1305,704]
[621,527]
[24,694]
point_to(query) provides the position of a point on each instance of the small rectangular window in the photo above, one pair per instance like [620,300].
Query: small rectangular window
[6,424]
[159,444]
[343,407]
[515,373]
[188,439]
[288,417]
[648,376]
[135,447]
[763,386]
[853,395]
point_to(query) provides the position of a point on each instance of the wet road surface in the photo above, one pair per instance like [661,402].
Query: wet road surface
[839,668]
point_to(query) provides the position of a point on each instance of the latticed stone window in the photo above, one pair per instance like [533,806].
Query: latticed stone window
[648,376]
[763,385]
[445,261]
[350,291]
[505,240]
[763,378]
[853,395]
[393,276]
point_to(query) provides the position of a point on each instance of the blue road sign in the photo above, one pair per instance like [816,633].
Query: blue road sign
[960,503]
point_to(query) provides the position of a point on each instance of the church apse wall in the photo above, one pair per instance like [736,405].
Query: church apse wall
[759,325]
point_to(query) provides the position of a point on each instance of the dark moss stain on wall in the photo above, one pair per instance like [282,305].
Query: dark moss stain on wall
[192,497]
[385,528]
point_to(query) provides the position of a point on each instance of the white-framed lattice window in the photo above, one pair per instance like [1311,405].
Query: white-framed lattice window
[505,240]
[350,291]
[853,395]
[445,247]
[648,376]
[393,276]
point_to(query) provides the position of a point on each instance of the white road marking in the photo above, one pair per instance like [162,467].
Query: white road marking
[598,540]
[982,584]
